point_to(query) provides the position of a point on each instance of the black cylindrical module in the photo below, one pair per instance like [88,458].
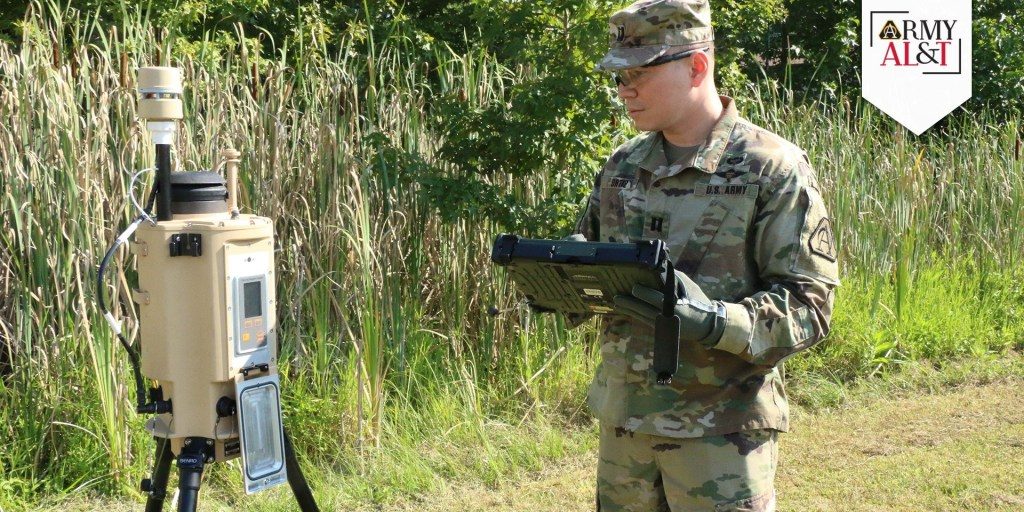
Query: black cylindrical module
[198,192]
[190,478]
[163,182]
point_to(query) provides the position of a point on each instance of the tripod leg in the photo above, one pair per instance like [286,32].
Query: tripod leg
[157,487]
[190,473]
[300,488]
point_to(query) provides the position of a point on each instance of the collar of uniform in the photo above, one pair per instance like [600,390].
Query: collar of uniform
[650,153]
[709,155]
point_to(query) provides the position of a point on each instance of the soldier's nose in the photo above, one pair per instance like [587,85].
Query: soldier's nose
[626,92]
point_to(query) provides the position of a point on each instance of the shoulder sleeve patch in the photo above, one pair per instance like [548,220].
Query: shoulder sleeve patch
[817,251]
[822,242]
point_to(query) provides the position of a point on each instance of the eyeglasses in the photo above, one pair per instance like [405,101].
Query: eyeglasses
[630,77]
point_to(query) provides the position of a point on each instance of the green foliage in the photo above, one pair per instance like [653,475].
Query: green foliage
[824,40]
[828,40]
[810,45]
[999,54]
[557,119]
[553,121]
[743,36]
[284,23]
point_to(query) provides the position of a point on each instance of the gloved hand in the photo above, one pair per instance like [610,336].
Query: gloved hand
[576,238]
[701,319]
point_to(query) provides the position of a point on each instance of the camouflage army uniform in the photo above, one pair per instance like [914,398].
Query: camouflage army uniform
[743,218]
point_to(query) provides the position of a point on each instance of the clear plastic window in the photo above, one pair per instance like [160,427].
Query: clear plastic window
[261,430]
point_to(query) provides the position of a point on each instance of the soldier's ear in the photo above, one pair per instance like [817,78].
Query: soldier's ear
[700,68]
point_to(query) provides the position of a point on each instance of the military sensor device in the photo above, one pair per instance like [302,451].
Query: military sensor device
[577,277]
[208,328]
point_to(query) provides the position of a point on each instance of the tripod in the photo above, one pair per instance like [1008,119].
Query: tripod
[191,461]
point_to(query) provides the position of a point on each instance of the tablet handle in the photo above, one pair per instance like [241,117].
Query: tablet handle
[666,329]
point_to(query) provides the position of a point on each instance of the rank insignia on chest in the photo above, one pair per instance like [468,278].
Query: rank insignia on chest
[657,223]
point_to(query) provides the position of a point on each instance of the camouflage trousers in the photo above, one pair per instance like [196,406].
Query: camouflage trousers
[645,473]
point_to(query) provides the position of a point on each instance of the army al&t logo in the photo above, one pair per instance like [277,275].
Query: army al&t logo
[916,58]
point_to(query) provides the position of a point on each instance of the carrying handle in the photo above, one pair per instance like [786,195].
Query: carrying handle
[669,290]
[667,328]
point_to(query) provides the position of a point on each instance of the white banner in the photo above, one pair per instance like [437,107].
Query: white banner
[916,58]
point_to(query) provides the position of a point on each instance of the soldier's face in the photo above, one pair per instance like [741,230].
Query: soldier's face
[662,96]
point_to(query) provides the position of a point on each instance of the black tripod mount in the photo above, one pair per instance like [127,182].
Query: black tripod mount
[194,456]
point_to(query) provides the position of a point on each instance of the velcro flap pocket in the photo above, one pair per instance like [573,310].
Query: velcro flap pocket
[705,230]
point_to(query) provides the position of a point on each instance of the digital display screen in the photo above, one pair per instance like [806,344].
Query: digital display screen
[253,305]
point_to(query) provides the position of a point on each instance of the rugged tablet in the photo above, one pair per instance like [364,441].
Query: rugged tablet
[579,277]
[584,277]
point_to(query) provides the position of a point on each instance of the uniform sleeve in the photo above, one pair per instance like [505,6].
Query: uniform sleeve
[796,253]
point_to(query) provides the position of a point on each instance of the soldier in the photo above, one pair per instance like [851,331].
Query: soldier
[743,218]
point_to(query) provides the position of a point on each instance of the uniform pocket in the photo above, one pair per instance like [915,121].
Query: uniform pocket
[764,502]
[657,226]
[700,239]
[717,253]
[615,192]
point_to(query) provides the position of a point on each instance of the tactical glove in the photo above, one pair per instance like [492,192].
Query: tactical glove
[701,319]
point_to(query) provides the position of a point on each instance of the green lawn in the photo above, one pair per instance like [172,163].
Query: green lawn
[919,439]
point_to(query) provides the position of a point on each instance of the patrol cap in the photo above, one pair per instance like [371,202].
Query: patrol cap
[647,29]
